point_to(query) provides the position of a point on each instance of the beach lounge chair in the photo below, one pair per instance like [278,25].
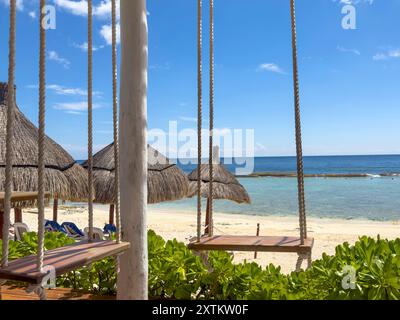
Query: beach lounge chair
[53,226]
[110,229]
[97,233]
[72,230]
[19,229]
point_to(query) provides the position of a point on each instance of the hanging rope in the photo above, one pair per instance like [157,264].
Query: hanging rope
[115,119]
[211,164]
[199,112]
[90,120]
[41,145]
[299,149]
[9,138]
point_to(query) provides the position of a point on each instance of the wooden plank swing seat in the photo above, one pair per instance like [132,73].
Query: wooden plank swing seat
[63,260]
[301,245]
[230,243]
[253,243]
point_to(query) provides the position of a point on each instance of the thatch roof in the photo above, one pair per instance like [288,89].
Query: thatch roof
[225,184]
[63,176]
[166,182]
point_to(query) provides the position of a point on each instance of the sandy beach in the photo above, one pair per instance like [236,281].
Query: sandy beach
[181,225]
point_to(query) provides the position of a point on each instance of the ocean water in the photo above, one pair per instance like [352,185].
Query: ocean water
[374,165]
[373,197]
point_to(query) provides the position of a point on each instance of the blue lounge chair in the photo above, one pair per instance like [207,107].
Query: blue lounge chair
[72,230]
[53,226]
[110,229]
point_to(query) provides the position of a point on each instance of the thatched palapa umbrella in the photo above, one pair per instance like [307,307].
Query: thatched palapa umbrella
[225,184]
[64,178]
[165,181]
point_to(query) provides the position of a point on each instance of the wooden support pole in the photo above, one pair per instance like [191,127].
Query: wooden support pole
[207,227]
[133,275]
[111,214]
[1,223]
[55,209]
[17,215]
[257,234]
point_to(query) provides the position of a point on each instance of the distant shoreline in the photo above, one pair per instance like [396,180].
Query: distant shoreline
[319,175]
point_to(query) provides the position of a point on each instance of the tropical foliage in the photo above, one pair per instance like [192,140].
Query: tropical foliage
[369,269]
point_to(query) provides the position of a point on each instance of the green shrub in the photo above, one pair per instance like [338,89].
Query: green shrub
[176,273]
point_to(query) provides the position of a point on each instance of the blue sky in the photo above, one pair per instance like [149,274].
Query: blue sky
[349,78]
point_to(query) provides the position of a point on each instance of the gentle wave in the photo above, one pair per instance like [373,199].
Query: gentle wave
[321,175]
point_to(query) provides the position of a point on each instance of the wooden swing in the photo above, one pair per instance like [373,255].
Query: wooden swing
[31,269]
[301,245]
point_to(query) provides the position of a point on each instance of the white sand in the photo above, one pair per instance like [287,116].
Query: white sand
[182,225]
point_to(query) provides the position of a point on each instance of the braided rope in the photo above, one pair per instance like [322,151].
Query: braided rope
[90,118]
[41,144]
[301,257]
[211,164]
[299,149]
[9,138]
[199,113]
[38,290]
[115,119]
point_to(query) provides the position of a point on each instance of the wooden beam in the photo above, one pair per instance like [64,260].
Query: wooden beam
[17,215]
[133,275]
[111,214]
[257,234]
[22,196]
[207,228]
[1,223]
[55,209]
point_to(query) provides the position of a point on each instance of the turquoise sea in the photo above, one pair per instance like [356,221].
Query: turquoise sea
[375,196]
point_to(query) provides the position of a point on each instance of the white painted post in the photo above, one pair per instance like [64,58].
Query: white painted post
[133,275]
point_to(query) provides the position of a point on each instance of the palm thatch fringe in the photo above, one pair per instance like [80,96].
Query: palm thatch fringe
[63,177]
[225,184]
[166,182]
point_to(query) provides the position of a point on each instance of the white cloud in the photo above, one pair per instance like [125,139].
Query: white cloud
[270,67]
[259,148]
[349,50]
[101,11]
[380,56]
[386,55]
[106,33]
[354,1]
[166,66]
[79,8]
[61,90]
[84,46]
[32,14]
[65,91]
[19,3]
[74,107]
[54,56]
